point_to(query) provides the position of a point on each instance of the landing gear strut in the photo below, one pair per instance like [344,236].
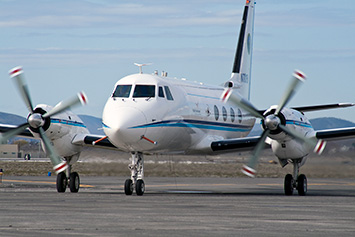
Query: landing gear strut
[63,182]
[300,183]
[137,174]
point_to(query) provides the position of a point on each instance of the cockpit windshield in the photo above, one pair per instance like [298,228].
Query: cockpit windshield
[144,91]
[122,91]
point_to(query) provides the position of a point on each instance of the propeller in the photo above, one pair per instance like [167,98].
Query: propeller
[36,120]
[273,121]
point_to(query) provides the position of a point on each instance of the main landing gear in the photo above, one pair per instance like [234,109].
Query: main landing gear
[300,183]
[63,182]
[137,174]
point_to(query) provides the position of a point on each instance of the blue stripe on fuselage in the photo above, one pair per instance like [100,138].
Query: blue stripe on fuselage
[197,124]
[299,123]
[68,122]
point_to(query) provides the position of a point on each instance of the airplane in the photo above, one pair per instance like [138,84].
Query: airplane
[151,113]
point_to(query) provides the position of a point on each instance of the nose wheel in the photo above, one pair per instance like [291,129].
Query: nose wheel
[137,174]
[128,187]
[140,187]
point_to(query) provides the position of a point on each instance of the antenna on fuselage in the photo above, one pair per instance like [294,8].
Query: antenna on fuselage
[140,65]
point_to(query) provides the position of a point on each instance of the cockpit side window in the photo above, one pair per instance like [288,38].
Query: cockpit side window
[144,91]
[122,91]
[169,96]
[161,92]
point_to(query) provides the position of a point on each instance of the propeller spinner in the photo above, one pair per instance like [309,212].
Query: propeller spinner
[273,122]
[36,120]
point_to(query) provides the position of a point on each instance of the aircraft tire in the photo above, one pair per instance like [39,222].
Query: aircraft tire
[128,187]
[140,187]
[288,185]
[74,182]
[302,185]
[62,182]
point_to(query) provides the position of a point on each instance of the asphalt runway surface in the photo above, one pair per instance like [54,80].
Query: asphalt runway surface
[31,206]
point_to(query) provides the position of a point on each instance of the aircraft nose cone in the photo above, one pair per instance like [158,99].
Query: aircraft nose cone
[123,126]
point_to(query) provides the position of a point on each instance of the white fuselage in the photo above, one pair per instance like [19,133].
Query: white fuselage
[186,122]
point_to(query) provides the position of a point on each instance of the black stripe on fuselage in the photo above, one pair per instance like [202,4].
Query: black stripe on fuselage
[238,54]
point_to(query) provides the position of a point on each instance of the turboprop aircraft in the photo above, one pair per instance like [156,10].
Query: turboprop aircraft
[149,113]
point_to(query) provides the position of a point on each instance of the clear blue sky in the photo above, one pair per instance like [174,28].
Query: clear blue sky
[71,45]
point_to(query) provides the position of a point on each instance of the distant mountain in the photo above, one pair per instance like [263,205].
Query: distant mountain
[330,122]
[12,119]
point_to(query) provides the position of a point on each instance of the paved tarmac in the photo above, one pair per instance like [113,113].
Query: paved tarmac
[176,207]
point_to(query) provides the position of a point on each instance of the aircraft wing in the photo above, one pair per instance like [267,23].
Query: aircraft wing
[79,139]
[237,144]
[311,108]
[93,140]
[336,134]
[323,107]
[6,127]
[248,143]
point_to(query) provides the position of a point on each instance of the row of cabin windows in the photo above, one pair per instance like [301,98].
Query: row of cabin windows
[142,91]
[225,114]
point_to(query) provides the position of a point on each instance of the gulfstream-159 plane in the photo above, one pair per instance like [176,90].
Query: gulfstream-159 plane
[149,113]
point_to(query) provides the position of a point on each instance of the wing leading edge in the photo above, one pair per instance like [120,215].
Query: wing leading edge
[79,139]
[336,134]
[93,140]
[6,128]
[238,144]
[248,143]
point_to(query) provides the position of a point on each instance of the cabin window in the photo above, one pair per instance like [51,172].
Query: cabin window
[216,112]
[224,112]
[122,91]
[144,91]
[169,96]
[161,92]
[232,115]
[240,116]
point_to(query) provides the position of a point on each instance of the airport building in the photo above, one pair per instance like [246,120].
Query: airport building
[9,151]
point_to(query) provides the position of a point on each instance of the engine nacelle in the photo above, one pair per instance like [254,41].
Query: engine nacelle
[291,149]
[61,129]
[286,146]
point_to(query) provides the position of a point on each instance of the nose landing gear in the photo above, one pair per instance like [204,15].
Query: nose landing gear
[137,174]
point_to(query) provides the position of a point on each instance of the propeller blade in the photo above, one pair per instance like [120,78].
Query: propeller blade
[12,132]
[16,73]
[250,168]
[318,145]
[58,164]
[298,77]
[66,104]
[234,98]
[319,148]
